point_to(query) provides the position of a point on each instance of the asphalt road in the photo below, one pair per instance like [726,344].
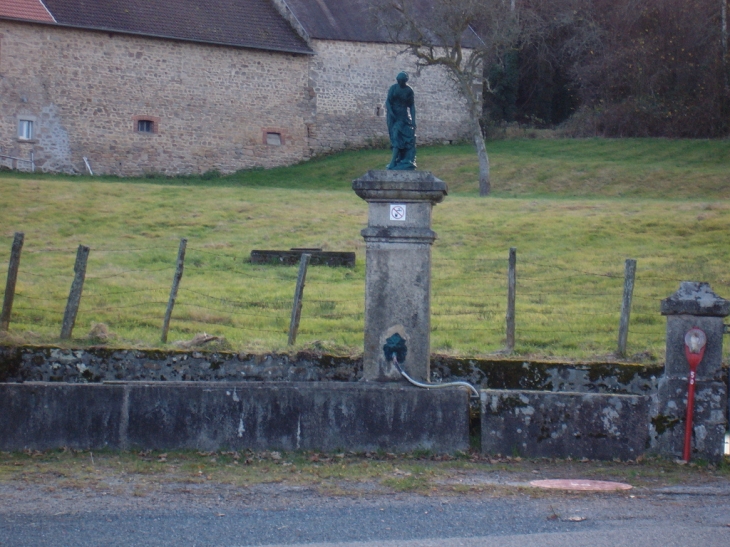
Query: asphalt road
[276,515]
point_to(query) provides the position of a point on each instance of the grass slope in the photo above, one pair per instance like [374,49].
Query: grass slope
[575,210]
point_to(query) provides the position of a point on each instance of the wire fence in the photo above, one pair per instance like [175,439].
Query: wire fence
[560,309]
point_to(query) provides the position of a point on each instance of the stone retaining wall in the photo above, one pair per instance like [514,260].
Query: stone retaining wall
[530,408]
[98,364]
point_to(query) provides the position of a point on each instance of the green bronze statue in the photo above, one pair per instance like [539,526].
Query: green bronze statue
[401,110]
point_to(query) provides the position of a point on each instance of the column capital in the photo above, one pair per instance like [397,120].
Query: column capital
[404,186]
[695,298]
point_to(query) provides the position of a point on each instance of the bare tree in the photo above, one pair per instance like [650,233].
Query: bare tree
[724,35]
[442,33]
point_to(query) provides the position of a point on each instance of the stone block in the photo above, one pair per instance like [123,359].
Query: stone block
[560,425]
[217,415]
[293,256]
[709,420]
[695,298]
[41,416]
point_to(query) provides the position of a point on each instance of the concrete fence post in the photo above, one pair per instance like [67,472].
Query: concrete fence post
[13,266]
[623,327]
[174,288]
[74,296]
[296,311]
[511,296]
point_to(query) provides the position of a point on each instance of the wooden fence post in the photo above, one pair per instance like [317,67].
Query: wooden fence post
[74,296]
[623,327]
[12,278]
[296,311]
[173,289]
[511,290]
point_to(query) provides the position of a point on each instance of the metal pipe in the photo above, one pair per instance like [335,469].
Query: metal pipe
[86,161]
[416,383]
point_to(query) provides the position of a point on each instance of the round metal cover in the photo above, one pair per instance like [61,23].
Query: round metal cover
[581,484]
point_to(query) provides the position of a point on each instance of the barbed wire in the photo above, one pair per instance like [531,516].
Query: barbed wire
[36,309]
[126,306]
[282,331]
[42,298]
[199,306]
[125,272]
[241,303]
[471,299]
[88,294]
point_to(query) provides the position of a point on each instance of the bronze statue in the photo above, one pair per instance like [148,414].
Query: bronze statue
[401,112]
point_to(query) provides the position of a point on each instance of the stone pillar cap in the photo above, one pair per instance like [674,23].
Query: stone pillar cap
[695,298]
[382,185]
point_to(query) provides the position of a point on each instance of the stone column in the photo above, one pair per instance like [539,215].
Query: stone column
[398,242]
[693,305]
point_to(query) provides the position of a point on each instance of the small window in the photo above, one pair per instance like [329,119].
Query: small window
[146,126]
[273,139]
[25,130]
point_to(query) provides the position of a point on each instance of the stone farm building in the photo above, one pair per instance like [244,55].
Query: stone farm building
[187,86]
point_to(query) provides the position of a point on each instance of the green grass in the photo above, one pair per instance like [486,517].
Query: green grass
[140,473]
[651,168]
[575,210]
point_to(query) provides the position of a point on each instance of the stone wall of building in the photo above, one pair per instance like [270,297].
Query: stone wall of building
[211,106]
[350,81]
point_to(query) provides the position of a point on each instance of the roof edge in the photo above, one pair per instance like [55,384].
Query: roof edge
[160,36]
[288,14]
[383,42]
[47,10]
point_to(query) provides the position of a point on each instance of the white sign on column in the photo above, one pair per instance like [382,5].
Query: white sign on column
[397,211]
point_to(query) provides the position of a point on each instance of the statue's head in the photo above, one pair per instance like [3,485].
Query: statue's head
[402,78]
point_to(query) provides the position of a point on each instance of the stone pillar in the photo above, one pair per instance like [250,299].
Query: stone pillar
[693,305]
[398,242]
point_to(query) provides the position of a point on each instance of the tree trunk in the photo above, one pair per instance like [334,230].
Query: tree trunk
[485,185]
[724,33]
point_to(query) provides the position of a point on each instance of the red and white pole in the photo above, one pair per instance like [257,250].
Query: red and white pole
[694,349]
